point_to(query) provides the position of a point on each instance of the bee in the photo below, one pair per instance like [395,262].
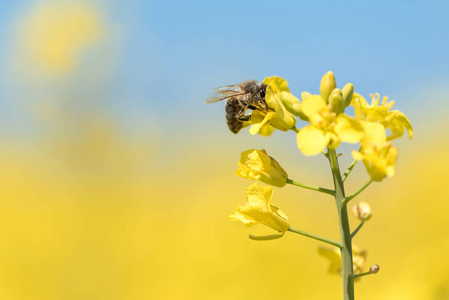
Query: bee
[248,95]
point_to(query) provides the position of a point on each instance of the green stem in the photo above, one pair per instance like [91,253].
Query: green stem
[315,237]
[314,188]
[358,228]
[349,198]
[295,129]
[361,274]
[349,170]
[345,232]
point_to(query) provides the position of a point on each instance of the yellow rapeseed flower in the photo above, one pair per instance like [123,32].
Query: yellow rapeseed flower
[334,256]
[277,117]
[378,155]
[258,210]
[326,129]
[379,161]
[381,112]
[257,165]
[280,87]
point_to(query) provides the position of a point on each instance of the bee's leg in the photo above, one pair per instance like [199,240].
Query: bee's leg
[267,108]
[242,117]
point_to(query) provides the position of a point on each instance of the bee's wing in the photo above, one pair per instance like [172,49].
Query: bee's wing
[235,86]
[224,94]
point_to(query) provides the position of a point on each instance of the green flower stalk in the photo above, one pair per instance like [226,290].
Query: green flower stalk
[327,125]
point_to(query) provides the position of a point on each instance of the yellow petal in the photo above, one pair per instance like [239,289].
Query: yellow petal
[277,83]
[358,259]
[261,124]
[374,134]
[334,257]
[277,220]
[257,165]
[348,129]
[266,130]
[396,122]
[312,105]
[281,118]
[257,116]
[242,172]
[237,216]
[357,155]
[402,118]
[259,210]
[311,141]
[360,98]
[258,194]
[260,127]
[244,157]
[379,161]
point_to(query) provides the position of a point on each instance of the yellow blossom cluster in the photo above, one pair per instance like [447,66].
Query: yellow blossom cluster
[327,124]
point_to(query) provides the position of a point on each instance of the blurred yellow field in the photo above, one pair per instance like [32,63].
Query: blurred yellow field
[110,197]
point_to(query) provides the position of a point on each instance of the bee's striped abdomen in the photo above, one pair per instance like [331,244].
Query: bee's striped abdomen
[233,108]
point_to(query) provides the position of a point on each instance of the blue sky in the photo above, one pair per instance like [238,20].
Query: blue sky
[173,52]
[380,46]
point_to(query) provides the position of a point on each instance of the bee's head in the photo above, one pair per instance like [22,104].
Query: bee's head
[250,86]
[260,96]
[262,91]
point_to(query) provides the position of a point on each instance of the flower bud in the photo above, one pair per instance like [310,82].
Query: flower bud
[327,85]
[337,102]
[362,210]
[374,269]
[305,95]
[348,91]
[292,104]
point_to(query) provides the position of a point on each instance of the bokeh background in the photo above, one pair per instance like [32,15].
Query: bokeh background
[116,178]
